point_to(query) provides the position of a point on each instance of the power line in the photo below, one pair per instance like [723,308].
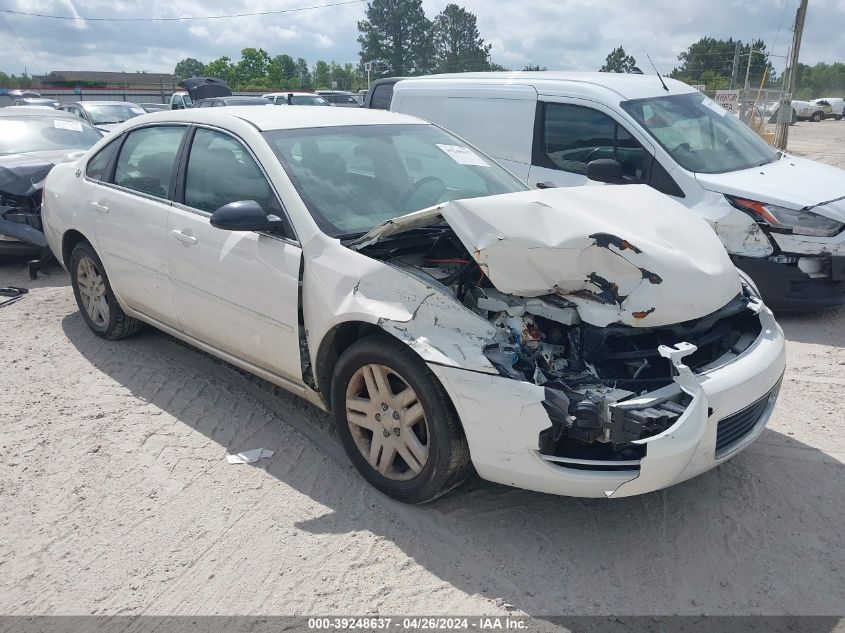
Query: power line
[184,18]
[21,44]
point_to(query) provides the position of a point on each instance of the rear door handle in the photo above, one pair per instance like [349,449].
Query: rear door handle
[100,208]
[545,185]
[183,237]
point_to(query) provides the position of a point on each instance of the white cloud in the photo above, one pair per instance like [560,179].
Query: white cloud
[565,34]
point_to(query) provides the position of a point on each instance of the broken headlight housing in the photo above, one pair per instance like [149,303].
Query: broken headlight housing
[798,222]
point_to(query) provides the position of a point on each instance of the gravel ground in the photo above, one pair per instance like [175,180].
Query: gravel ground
[117,498]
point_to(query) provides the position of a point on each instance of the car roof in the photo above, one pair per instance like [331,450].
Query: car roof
[291,92]
[625,85]
[37,111]
[99,103]
[287,118]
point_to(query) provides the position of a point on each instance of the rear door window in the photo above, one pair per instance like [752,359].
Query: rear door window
[382,96]
[95,170]
[147,159]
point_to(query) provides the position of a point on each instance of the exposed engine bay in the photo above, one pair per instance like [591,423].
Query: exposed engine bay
[585,369]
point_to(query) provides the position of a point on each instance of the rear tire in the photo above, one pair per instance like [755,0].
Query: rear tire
[817,116]
[396,422]
[94,296]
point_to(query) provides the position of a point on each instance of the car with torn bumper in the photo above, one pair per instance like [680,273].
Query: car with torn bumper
[32,141]
[589,342]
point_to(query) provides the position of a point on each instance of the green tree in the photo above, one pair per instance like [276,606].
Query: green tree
[618,61]
[303,73]
[253,66]
[716,57]
[322,75]
[821,80]
[396,37]
[222,68]
[189,67]
[458,46]
[280,70]
[497,67]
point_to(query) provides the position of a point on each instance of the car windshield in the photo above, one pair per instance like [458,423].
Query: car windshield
[41,134]
[310,100]
[353,178]
[117,113]
[699,134]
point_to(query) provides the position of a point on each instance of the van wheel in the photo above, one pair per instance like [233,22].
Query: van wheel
[838,117]
[95,298]
[396,422]
[817,116]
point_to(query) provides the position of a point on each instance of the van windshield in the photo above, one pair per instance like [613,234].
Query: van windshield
[700,135]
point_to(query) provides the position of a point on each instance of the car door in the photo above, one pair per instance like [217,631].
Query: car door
[569,134]
[236,291]
[131,207]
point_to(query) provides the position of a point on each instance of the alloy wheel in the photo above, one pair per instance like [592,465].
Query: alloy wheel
[92,291]
[387,422]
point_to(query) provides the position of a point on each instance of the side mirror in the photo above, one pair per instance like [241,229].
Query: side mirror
[605,170]
[245,215]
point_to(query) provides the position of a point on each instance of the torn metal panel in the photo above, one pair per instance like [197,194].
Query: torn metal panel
[342,285]
[616,252]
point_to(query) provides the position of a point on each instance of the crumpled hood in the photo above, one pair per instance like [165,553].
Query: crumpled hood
[24,174]
[792,182]
[624,254]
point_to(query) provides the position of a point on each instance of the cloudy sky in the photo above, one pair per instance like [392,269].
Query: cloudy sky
[559,34]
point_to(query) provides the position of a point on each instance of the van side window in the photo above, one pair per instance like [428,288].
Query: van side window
[575,135]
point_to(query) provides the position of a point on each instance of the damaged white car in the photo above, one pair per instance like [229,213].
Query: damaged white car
[589,342]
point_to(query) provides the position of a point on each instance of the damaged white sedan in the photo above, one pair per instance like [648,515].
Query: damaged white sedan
[589,342]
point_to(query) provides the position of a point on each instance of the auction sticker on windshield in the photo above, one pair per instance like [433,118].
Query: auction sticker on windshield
[709,103]
[463,155]
[76,126]
[138,110]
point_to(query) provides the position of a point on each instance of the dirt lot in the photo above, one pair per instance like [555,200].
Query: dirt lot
[117,498]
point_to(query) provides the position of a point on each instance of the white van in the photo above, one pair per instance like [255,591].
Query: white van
[837,107]
[780,217]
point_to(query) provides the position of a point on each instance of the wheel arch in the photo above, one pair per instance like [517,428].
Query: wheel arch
[70,239]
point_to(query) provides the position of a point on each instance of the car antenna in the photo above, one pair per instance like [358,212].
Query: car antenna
[658,74]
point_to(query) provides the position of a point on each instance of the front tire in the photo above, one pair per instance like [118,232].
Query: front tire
[817,116]
[396,421]
[95,298]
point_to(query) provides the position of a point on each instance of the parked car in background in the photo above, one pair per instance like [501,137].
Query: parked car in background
[180,101]
[220,102]
[296,98]
[23,93]
[154,107]
[339,98]
[833,107]
[808,110]
[380,94]
[42,102]
[104,115]
[32,141]
[605,347]
[781,217]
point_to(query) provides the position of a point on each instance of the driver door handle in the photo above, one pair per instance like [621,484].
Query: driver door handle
[545,185]
[185,238]
[100,208]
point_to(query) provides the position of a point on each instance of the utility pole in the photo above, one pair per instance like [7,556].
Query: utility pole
[735,70]
[800,17]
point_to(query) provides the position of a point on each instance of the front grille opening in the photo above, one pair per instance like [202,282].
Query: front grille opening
[734,428]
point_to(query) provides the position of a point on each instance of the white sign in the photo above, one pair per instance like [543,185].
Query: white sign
[699,87]
[728,99]
[75,126]
[334,85]
[463,155]
[368,66]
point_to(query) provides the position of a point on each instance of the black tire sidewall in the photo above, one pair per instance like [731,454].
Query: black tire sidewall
[84,249]
[393,354]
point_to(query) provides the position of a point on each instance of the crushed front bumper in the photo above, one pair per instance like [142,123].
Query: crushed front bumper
[731,404]
[792,283]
